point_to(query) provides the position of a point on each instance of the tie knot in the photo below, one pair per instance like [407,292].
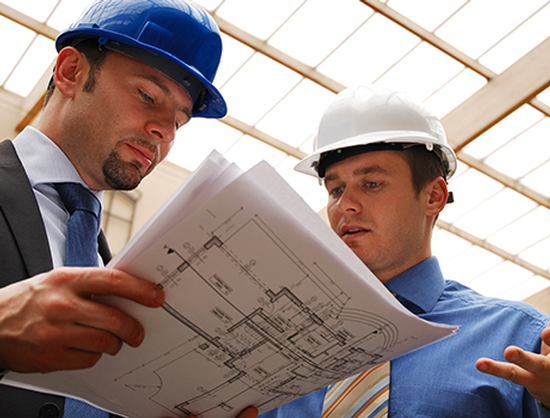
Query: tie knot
[77,197]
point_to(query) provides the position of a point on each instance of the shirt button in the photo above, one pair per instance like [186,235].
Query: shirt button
[49,410]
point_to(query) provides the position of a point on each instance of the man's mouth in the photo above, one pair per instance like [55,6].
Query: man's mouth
[143,155]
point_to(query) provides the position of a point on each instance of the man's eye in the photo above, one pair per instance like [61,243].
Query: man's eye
[337,191]
[146,97]
[372,184]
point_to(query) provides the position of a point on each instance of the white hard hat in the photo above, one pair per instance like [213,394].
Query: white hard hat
[367,115]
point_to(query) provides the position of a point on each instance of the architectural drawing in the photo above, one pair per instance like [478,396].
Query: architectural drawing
[292,333]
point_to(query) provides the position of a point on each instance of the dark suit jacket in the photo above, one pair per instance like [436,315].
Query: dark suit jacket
[24,252]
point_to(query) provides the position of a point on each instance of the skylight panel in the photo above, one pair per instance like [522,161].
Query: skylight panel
[500,279]
[523,233]
[67,12]
[519,42]
[248,151]
[300,182]
[258,18]
[495,213]
[297,116]
[538,180]
[369,52]
[454,92]
[427,13]
[32,66]
[545,96]
[198,138]
[528,288]
[525,153]
[234,55]
[327,24]
[421,72]
[537,254]
[257,88]
[503,132]
[446,245]
[481,24]
[469,264]
[12,51]
[469,189]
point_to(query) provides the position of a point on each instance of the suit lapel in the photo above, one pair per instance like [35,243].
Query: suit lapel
[20,209]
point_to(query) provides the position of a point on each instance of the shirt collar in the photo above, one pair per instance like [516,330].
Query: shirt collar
[421,286]
[44,161]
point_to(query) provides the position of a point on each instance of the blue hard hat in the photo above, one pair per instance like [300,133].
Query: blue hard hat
[178,38]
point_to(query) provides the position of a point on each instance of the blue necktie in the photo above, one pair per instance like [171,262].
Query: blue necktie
[82,226]
[82,231]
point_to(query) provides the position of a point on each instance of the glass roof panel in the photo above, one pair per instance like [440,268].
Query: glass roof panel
[503,132]
[523,233]
[469,264]
[427,13]
[446,246]
[247,152]
[538,254]
[545,96]
[300,183]
[481,24]
[11,52]
[39,10]
[270,82]
[316,198]
[538,180]
[500,279]
[535,30]
[527,288]
[527,151]
[421,72]
[258,18]
[234,55]
[469,189]
[35,62]
[314,44]
[359,60]
[298,114]
[454,92]
[504,208]
[66,13]
[198,138]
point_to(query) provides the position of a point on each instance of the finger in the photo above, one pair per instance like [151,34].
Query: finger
[250,412]
[503,370]
[93,340]
[103,281]
[96,315]
[534,363]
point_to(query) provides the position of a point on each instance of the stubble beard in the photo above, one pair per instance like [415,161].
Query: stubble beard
[123,175]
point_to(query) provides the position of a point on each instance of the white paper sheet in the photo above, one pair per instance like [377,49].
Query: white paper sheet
[264,303]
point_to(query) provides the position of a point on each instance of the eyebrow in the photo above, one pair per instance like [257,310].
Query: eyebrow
[359,172]
[155,80]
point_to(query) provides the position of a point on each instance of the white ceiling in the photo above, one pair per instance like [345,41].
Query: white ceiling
[483,66]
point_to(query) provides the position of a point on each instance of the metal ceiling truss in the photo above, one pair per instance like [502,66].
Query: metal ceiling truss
[502,94]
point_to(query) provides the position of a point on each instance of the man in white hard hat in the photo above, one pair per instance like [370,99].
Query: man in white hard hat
[385,163]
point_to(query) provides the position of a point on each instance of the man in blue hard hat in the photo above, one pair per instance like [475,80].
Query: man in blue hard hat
[129,73]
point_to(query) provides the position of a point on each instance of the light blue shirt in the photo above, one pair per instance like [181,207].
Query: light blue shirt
[45,164]
[441,380]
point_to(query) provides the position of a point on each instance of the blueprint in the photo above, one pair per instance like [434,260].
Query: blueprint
[264,304]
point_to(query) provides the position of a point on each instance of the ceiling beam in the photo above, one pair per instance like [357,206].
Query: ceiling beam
[28,22]
[502,95]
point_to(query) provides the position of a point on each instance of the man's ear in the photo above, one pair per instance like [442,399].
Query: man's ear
[70,72]
[437,194]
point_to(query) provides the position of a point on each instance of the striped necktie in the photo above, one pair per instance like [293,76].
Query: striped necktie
[365,395]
